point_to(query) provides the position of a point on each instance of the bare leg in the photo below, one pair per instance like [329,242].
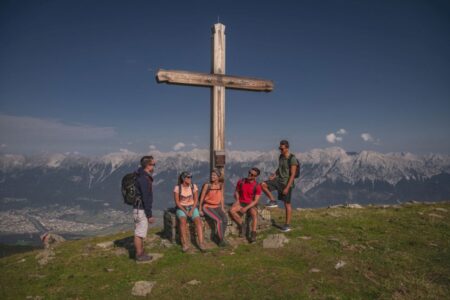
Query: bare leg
[198,227]
[288,212]
[139,245]
[254,214]
[183,232]
[234,213]
[266,191]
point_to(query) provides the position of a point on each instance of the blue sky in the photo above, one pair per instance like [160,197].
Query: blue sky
[79,75]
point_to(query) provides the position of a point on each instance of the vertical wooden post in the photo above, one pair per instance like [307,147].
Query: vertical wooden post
[217,138]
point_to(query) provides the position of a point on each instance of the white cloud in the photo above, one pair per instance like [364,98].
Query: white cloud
[3,146]
[333,138]
[16,128]
[29,134]
[72,153]
[229,143]
[194,145]
[336,136]
[367,137]
[179,146]
[152,147]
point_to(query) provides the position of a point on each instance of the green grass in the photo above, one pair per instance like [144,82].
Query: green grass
[395,253]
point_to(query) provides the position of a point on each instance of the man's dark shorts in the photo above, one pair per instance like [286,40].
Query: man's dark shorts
[279,187]
[246,204]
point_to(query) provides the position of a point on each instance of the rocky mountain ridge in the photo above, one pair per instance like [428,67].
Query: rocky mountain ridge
[328,176]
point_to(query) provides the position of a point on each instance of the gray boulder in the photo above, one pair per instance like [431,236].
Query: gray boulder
[106,245]
[51,239]
[274,241]
[142,288]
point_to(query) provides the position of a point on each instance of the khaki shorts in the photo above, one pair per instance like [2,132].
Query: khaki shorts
[140,223]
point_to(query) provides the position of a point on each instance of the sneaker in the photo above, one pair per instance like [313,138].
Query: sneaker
[286,228]
[272,204]
[143,258]
[253,237]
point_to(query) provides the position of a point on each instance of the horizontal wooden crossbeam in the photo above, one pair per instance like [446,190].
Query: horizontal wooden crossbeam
[209,80]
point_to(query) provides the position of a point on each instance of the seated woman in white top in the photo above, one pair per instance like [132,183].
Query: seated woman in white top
[185,195]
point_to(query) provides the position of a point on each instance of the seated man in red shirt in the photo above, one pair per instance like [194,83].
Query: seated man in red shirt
[247,196]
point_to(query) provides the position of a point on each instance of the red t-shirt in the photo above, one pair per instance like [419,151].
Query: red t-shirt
[246,193]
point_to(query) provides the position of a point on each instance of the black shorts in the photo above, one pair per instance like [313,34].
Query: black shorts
[279,187]
[247,204]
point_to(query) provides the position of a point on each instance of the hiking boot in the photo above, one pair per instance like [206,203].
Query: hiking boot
[271,204]
[241,229]
[286,228]
[143,258]
[223,243]
[253,237]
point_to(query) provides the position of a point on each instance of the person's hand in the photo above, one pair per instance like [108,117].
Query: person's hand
[201,212]
[272,177]
[151,220]
[243,210]
[189,214]
[285,191]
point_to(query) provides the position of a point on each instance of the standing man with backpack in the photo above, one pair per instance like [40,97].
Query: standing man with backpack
[283,181]
[247,196]
[142,211]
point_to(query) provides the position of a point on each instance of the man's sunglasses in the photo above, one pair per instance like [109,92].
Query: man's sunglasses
[252,174]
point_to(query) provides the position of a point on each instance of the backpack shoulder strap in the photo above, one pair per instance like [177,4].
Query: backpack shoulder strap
[289,159]
[201,192]
[254,189]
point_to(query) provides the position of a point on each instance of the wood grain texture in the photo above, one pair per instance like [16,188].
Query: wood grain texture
[210,80]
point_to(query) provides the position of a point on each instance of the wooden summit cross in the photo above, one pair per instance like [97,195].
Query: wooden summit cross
[218,82]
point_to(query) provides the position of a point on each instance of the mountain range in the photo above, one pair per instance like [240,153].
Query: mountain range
[328,176]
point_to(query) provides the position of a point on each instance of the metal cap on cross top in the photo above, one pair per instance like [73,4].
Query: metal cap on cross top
[218,82]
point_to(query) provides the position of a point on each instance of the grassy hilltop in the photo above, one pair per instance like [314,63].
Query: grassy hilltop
[388,253]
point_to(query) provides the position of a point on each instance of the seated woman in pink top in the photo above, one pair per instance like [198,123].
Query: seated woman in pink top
[186,195]
[212,205]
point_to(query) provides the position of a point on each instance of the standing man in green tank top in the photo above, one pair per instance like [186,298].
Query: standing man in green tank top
[283,182]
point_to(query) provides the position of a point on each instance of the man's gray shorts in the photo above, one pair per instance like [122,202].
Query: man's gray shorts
[140,223]
[279,186]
